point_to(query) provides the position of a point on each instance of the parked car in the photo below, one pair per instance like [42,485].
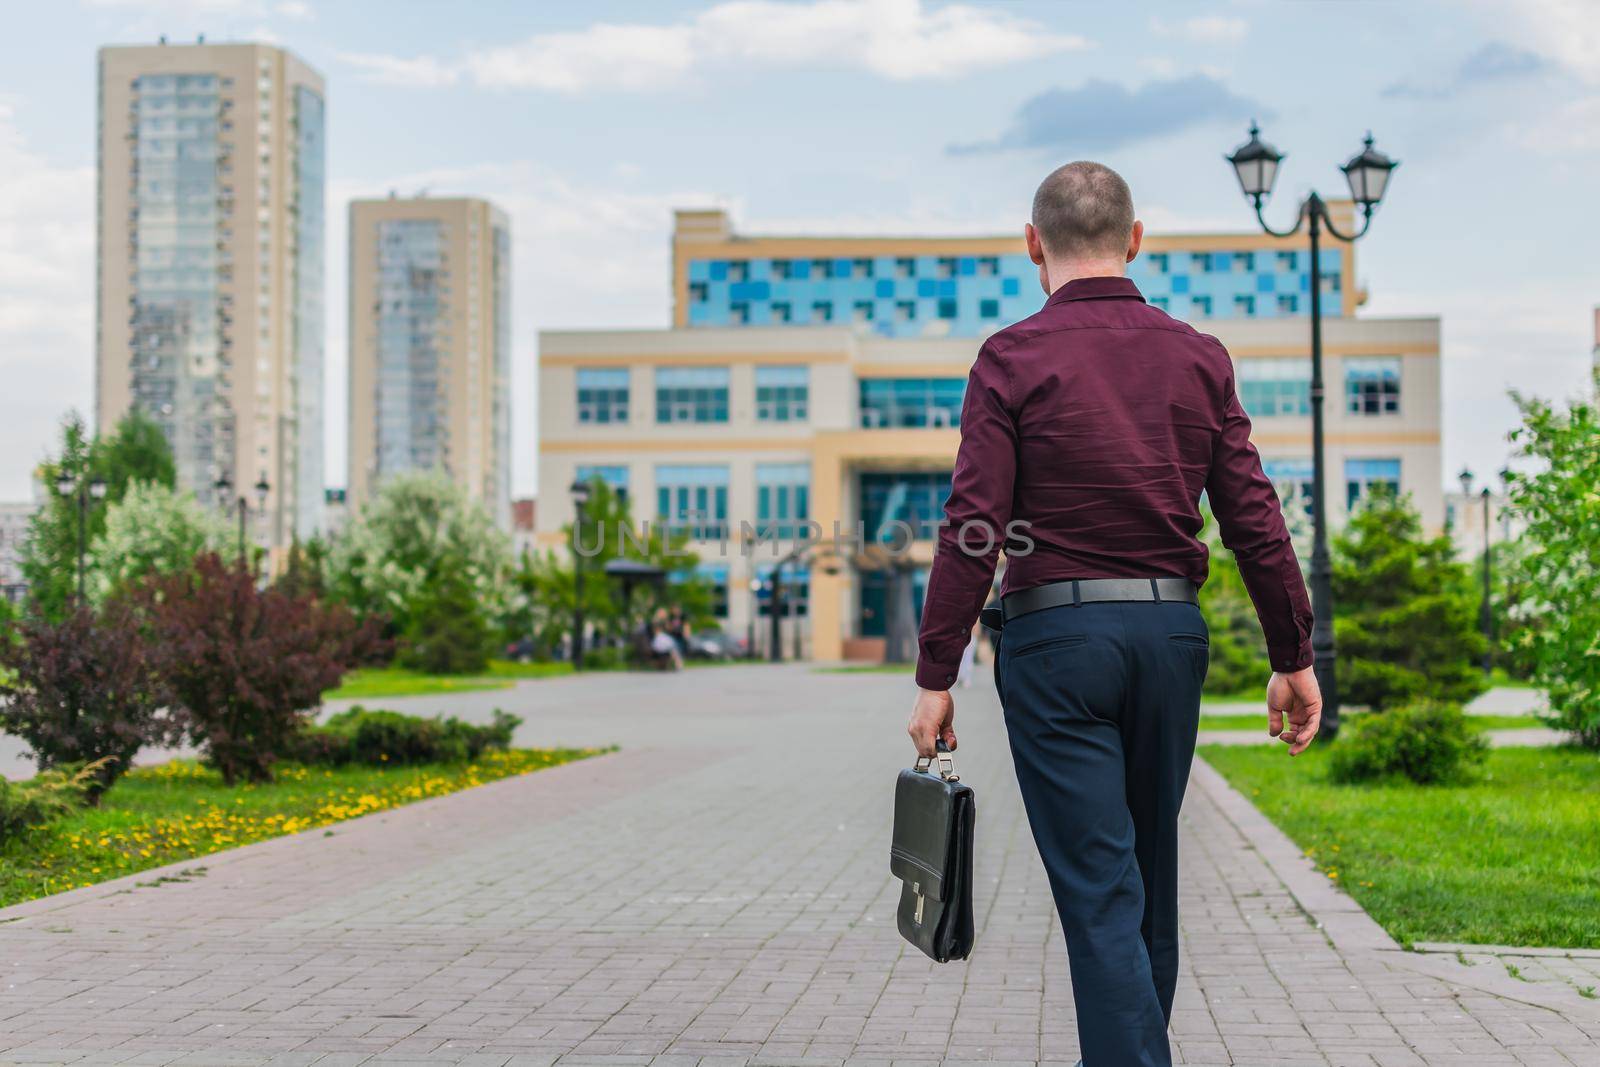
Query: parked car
[714,644]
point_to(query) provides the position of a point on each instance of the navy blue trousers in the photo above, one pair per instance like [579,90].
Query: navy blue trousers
[1102,702]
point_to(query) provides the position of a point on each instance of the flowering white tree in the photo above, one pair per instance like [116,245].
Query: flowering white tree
[416,531]
[1560,571]
[152,530]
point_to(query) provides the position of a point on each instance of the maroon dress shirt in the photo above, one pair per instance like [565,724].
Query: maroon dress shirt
[1090,429]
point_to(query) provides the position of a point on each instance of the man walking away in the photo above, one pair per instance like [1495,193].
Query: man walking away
[1088,433]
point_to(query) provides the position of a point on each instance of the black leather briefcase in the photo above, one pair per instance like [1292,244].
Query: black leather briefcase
[934,815]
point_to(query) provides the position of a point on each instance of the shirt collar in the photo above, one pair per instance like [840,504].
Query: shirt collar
[1095,289]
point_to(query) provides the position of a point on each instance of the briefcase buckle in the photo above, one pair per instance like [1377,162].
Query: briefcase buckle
[916,887]
[947,764]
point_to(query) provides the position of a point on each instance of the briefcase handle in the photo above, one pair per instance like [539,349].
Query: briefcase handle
[947,763]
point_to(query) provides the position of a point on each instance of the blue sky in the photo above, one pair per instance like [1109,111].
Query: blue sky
[589,122]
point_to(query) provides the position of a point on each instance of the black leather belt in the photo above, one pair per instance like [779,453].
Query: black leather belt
[1098,591]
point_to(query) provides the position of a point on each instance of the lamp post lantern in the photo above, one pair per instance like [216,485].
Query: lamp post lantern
[81,492]
[1256,164]
[224,488]
[580,491]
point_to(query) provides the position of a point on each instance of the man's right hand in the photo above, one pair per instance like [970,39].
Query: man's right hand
[1294,709]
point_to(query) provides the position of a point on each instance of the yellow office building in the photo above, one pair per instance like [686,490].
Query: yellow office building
[819,380]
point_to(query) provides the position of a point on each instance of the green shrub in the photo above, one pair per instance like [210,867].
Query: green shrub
[53,795]
[449,632]
[375,736]
[1425,742]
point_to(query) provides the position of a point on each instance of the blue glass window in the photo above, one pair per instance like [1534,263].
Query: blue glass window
[861,311]
[698,291]
[947,308]
[782,393]
[781,311]
[1372,385]
[613,476]
[1201,305]
[1361,476]
[603,394]
[1275,386]
[1244,305]
[783,503]
[912,402]
[1180,283]
[693,498]
[905,267]
[796,590]
[1011,287]
[1292,478]
[1160,262]
[691,394]
[822,311]
[714,575]
[1288,304]
[988,309]
[912,497]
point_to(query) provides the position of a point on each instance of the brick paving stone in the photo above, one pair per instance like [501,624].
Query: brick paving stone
[716,894]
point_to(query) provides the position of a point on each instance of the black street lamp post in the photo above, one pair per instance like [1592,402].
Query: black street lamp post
[580,497]
[1256,164]
[84,491]
[1486,608]
[224,487]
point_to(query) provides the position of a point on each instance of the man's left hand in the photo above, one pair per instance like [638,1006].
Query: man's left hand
[932,717]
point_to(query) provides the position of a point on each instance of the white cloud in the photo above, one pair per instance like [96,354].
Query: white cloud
[1570,128]
[46,301]
[423,72]
[1567,31]
[604,55]
[1208,29]
[900,40]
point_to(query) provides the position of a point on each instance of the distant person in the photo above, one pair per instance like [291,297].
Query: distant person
[1095,425]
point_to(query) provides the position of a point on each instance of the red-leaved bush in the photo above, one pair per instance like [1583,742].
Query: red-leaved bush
[242,666]
[83,690]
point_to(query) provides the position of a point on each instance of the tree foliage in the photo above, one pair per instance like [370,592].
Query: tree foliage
[83,690]
[546,583]
[1406,615]
[1560,570]
[448,632]
[416,529]
[153,529]
[136,452]
[244,665]
[1238,648]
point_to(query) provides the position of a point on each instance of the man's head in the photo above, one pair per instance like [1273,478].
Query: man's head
[1083,223]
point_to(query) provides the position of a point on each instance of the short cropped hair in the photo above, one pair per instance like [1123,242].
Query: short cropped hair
[1084,210]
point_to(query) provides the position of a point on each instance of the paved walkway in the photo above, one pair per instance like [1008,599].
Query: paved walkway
[715,892]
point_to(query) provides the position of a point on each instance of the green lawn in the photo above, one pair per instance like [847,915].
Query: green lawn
[372,682]
[1511,859]
[1258,721]
[181,811]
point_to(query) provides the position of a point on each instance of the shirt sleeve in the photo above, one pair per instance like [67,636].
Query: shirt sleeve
[976,515]
[1251,520]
